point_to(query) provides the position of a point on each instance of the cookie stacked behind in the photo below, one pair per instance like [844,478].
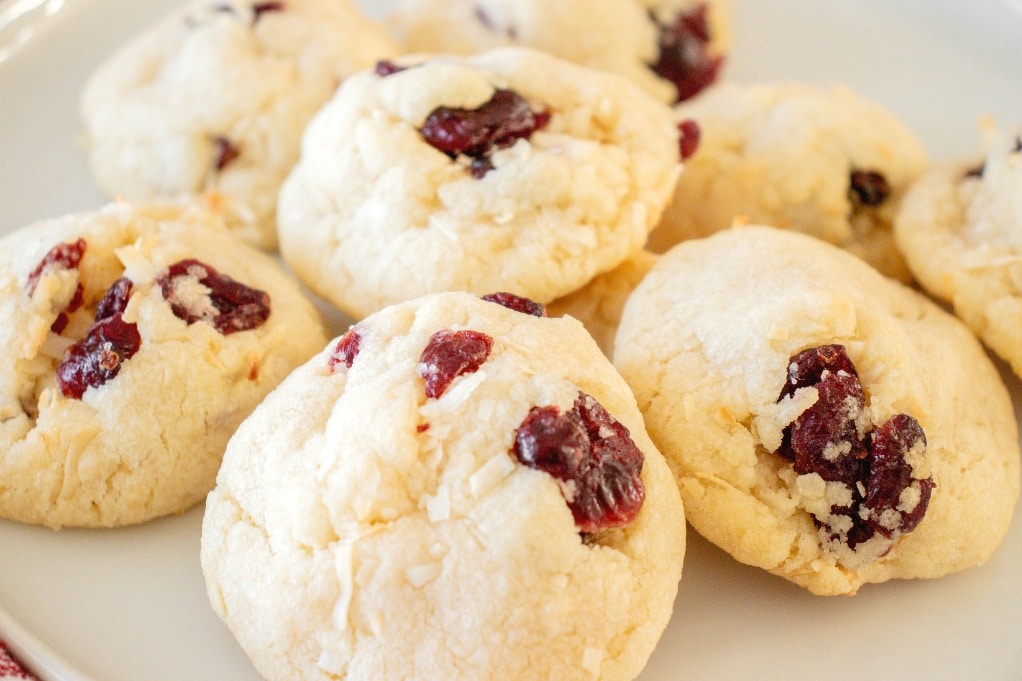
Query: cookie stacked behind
[959,228]
[135,340]
[209,105]
[824,423]
[673,49]
[509,170]
[823,161]
[456,488]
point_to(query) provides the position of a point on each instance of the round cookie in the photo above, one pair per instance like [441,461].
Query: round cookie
[135,341]
[671,48]
[399,507]
[959,228]
[506,171]
[824,423]
[599,303]
[823,161]
[209,104]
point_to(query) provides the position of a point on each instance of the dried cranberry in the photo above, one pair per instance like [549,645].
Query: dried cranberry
[228,305]
[64,256]
[449,354]
[347,348]
[500,122]
[868,187]
[829,439]
[115,300]
[688,138]
[890,475]
[261,8]
[224,152]
[98,357]
[684,57]
[516,303]
[592,454]
[62,320]
[386,68]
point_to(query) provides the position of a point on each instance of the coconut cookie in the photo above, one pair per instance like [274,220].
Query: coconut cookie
[824,423]
[961,231]
[599,303]
[450,490]
[672,48]
[209,105]
[135,341]
[823,161]
[510,170]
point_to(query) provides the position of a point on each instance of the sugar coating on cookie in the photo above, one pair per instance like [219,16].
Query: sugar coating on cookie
[673,49]
[824,423]
[136,339]
[210,103]
[510,170]
[599,303]
[404,506]
[823,161]
[959,228]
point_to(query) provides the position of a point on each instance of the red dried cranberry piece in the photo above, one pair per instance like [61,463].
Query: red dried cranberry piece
[385,68]
[890,475]
[224,152]
[688,138]
[228,305]
[65,256]
[500,122]
[449,354]
[592,454]
[115,300]
[346,350]
[62,320]
[868,187]
[98,357]
[261,8]
[684,57]
[825,438]
[516,303]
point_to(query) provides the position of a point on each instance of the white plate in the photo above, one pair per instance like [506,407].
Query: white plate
[129,604]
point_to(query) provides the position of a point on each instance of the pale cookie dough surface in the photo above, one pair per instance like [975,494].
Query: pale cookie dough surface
[599,303]
[961,231]
[373,214]
[782,154]
[705,342]
[360,530]
[209,104]
[148,441]
[620,36]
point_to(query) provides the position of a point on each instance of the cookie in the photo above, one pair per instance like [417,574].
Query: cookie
[599,303]
[671,48]
[823,161]
[959,229]
[209,104]
[824,423]
[136,339]
[505,171]
[450,490]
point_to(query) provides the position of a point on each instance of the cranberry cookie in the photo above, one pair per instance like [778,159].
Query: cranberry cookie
[826,162]
[510,170]
[135,340]
[672,48]
[824,423]
[210,104]
[960,228]
[457,488]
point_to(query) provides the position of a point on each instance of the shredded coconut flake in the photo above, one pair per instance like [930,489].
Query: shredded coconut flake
[421,575]
[490,474]
[592,660]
